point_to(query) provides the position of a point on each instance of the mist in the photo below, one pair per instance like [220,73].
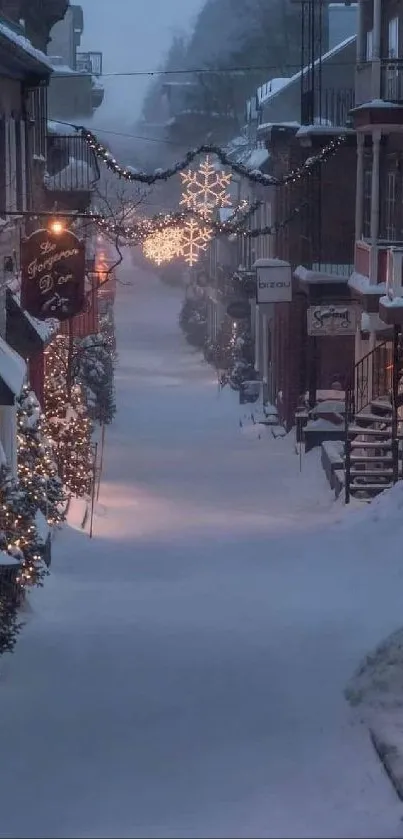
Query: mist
[132,35]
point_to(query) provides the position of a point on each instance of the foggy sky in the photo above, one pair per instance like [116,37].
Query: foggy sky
[133,35]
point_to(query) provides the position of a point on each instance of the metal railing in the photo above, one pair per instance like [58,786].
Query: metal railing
[373,377]
[89,62]
[392,80]
[71,164]
[330,107]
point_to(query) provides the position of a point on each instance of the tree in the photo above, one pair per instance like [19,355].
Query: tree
[94,361]
[67,421]
[37,469]
[19,535]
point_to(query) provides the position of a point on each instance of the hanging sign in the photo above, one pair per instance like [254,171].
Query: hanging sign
[274,283]
[52,274]
[238,309]
[332,319]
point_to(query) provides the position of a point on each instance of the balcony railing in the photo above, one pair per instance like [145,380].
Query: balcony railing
[89,62]
[392,80]
[71,164]
[330,108]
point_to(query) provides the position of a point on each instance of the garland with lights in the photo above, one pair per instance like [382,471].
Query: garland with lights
[37,470]
[19,535]
[141,230]
[67,421]
[10,625]
[128,173]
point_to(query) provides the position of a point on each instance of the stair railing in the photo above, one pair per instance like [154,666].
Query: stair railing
[372,378]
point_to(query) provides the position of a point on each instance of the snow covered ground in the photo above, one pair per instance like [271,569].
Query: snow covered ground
[182,673]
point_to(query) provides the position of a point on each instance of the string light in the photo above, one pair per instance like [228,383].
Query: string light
[128,173]
[164,245]
[67,421]
[205,189]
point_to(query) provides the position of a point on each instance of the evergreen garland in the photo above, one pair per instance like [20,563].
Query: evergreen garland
[18,531]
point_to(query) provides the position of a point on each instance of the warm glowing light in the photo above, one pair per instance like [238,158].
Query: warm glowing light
[56,226]
[205,189]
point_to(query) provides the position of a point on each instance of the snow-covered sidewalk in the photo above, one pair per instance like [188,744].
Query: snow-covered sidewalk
[182,673]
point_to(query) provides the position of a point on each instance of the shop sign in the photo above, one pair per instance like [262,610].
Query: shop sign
[274,283]
[238,310]
[332,319]
[52,274]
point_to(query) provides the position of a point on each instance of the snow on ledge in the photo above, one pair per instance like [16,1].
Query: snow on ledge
[362,284]
[23,43]
[394,303]
[13,368]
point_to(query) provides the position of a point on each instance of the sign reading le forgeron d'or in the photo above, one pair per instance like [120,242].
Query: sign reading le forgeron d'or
[52,274]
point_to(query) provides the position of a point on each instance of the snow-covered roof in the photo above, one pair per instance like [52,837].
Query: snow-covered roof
[44,328]
[273,86]
[264,126]
[338,48]
[24,44]
[12,368]
[257,158]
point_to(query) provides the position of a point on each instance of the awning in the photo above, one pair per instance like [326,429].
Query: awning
[24,333]
[12,374]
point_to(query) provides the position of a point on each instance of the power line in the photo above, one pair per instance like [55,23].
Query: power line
[122,134]
[204,70]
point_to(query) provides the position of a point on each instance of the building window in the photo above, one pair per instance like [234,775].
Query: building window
[391,185]
[366,227]
[393,38]
[37,113]
[370,45]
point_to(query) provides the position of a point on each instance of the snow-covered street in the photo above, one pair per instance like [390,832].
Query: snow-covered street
[182,674]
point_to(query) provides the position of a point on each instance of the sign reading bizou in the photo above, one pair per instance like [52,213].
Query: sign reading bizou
[273,281]
[52,274]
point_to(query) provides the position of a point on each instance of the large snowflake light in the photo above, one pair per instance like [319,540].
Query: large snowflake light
[194,240]
[205,189]
[163,246]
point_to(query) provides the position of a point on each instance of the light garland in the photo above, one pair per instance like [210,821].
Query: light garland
[67,421]
[128,173]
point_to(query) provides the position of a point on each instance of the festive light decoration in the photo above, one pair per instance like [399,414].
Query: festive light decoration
[205,189]
[255,176]
[67,421]
[164,245]
[18,532]
[194,240]
[37,470]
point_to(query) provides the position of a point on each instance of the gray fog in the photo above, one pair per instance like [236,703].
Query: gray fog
[133,35]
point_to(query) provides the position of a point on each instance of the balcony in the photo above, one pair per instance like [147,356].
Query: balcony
[89,62]
[71,165]
[392,80]
[330,109]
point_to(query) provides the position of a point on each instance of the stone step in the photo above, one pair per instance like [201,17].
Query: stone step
[365,416]
[370,445]
[358,429]
[370,473]
[368,458]
[371,489]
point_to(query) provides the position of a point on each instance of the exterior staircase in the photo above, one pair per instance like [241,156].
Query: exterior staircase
[372,461]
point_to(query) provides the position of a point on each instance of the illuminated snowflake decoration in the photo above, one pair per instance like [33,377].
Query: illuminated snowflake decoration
[194,240]
[205,188]
[163,246]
